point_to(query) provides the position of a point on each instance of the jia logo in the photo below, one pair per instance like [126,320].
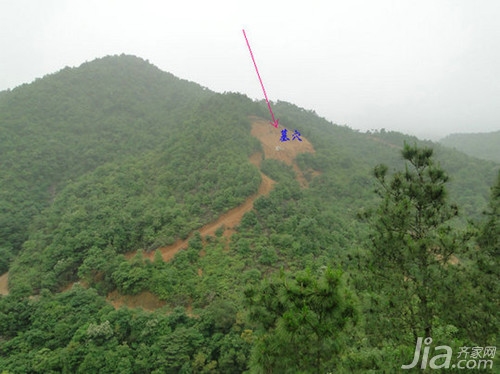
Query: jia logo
[471,357]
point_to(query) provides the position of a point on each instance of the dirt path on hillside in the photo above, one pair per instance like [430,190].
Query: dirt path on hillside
[228,220]
[273,149]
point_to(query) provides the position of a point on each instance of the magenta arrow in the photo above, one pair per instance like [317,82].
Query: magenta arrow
[275,121]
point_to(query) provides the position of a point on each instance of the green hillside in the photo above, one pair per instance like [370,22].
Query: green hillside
[482,145]
[67,124]
[106,165]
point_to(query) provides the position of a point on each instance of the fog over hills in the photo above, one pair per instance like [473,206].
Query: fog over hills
[481,145]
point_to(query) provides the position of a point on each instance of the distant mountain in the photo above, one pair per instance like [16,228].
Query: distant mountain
[122,184]
[480,145]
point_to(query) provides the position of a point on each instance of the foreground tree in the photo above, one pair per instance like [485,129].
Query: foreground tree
[482,317]
[302,322]
[489,240]
[413,246]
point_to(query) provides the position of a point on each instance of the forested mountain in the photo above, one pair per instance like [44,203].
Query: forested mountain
[481,145]
[123,183]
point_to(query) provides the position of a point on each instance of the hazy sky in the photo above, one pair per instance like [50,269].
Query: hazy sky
[427,68]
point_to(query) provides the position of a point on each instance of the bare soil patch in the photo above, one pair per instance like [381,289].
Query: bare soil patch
[270,136]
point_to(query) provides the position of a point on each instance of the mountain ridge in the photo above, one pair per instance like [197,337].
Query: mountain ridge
[480,145]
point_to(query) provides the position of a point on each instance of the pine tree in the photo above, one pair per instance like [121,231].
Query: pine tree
[303,320]
[481,318]
[413,247]
[489,237]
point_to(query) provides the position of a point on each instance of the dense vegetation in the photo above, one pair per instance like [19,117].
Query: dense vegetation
[116,156]
[481,145]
